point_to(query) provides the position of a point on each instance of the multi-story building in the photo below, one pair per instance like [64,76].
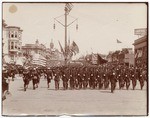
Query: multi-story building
[55,57]
[12,42]
[140,50]
[31,49]
[52,55]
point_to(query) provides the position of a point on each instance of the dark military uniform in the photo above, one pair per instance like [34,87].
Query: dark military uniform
[79,77]
[49,77]
[71,78]
[113,81]
[56,78]
[121,80]
[65,79]
[34,76]
[95,83]
[91,81]
[100,80]
[127,80]
[141,79]
[133,76]
[105,78]
[26,79]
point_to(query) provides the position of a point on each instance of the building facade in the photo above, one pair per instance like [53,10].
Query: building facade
[52,55]
[12,42]
[140,50]
[124,56]
[30,49]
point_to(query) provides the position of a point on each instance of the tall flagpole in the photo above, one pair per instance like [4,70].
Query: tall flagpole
[67,9]
[65,56]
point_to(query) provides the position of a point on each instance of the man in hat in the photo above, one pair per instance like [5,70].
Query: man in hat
[64,73]
[26,79]
[49,76]
[56,78]
[34,76]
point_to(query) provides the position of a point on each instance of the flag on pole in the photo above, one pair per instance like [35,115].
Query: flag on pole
[74,48]
[101,60]
[61,48]
[118,41]
[69,6]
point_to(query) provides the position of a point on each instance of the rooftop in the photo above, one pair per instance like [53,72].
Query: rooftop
[140,40]
[15,27]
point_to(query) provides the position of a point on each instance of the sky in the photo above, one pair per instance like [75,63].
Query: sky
[99,24]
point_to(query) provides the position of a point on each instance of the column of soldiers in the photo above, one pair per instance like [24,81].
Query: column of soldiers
[83,77]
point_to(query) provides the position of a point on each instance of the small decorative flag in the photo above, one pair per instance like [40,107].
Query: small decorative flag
[118,41]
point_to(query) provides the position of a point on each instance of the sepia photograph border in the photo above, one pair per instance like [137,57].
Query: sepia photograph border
[62,2]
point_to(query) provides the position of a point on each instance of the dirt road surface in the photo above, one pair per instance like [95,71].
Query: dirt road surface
[44,101]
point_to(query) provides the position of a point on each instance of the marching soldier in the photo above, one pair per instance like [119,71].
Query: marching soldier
[95,82]
[34,76]
[100,80]
[71,78]
[65,79]
[49,77]
[79,77]
[91,81]
[121,81]
[84,78]
[56,78]
[127,80]
[133,78]
[76,82]
[105,78]
[26,79]
[113,81]
[141,79]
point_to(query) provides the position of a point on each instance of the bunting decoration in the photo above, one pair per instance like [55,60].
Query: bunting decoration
[39,60]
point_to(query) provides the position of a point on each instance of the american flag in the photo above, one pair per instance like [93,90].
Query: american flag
[38,60]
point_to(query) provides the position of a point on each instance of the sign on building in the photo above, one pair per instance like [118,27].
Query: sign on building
[140,31]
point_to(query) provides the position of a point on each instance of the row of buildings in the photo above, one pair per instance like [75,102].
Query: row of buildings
[13,49]
[124,56]
[129,57]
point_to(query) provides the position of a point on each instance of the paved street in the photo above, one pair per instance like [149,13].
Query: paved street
[43,101]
